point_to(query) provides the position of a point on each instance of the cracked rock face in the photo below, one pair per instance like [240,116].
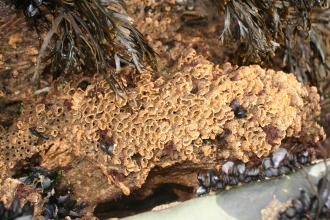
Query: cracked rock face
[168,121]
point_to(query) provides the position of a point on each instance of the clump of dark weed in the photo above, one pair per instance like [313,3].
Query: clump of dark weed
[87,36]
[293,31]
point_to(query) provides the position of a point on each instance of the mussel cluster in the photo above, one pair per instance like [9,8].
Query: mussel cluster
[232,174]
[236,172]
[40,178]
[57,207]
[15,212]
[317,207]
[284,163]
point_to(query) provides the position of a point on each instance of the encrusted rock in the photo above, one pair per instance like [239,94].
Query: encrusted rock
[167,120]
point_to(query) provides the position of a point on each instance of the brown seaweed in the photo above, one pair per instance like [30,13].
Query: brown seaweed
[87,35]
[292,27]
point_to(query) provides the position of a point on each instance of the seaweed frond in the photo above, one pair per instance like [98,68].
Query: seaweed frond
[88,35]
[262,27]
[256,25]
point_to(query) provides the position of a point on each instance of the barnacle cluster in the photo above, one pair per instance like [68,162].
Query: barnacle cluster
[236,172]
[178,118]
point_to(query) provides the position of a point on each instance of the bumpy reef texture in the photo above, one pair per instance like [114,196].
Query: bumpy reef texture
[175,121]
[179,112]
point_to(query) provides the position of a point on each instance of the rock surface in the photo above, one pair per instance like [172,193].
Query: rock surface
[168,121]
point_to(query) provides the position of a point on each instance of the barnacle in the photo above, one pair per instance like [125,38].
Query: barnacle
[87,36]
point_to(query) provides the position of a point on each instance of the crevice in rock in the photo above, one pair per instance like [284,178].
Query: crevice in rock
[133,204]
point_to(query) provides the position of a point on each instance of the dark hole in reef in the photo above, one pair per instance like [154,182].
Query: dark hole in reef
[136,157]
[149,9]
[132,205]
[9,112]
[170,45]
[21,167]
[194,90]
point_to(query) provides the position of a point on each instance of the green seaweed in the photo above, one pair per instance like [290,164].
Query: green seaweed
[208,141]
[20,108]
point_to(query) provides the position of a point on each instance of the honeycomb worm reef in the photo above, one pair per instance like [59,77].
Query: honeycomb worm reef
[175,121]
